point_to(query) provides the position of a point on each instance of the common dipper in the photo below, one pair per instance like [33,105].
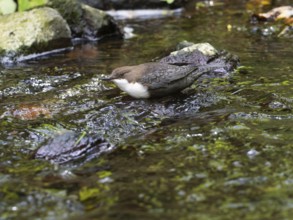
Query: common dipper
[154,79]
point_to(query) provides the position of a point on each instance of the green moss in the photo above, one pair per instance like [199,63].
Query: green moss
[24,5]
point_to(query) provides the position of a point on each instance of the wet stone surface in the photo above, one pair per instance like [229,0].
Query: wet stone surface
[69,146]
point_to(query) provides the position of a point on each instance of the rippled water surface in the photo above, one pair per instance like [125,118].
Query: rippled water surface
[222,150]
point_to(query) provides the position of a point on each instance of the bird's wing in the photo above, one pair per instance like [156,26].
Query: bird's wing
[165,75]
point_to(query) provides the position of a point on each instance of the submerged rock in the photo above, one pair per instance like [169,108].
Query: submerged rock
[84,21]
[35,31]
[70,146]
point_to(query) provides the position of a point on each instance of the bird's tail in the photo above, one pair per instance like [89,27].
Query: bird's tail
[206,69]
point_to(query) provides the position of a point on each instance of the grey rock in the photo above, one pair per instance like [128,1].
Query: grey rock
[84,21]
[98,23]
[200,54]
[69,146]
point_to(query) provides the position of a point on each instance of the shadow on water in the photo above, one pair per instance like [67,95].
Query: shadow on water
[221,150]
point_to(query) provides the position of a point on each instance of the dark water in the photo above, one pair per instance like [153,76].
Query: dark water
[224,151]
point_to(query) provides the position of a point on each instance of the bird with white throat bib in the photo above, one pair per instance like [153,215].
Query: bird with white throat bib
[156,79]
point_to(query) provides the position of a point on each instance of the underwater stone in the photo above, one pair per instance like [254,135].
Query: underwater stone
[69,146]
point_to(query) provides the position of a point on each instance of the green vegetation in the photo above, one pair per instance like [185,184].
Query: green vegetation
[28,4]
[9,6]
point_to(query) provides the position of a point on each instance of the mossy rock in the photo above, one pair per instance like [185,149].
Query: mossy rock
[34,31]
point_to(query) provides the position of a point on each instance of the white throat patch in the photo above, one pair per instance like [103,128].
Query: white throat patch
[136,90]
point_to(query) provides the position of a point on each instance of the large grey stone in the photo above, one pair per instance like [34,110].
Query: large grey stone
[84,21]
[98,23]
[35,31]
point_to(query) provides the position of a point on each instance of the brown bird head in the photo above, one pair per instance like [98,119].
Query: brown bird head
[130,73]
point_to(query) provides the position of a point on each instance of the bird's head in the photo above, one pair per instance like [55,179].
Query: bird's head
[118,73]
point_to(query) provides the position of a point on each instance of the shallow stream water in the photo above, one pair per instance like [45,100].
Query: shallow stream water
[223,150]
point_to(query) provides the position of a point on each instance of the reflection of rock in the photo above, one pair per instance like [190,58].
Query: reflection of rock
[86,51]
[70,146]
[35,31]
[84,21]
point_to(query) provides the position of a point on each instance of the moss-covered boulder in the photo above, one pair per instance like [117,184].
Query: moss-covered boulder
[35,31]
[84,21]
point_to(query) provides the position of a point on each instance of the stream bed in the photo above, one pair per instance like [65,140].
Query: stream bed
[222,150]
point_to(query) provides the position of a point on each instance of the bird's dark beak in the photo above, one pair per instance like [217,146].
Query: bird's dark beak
[106,79]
